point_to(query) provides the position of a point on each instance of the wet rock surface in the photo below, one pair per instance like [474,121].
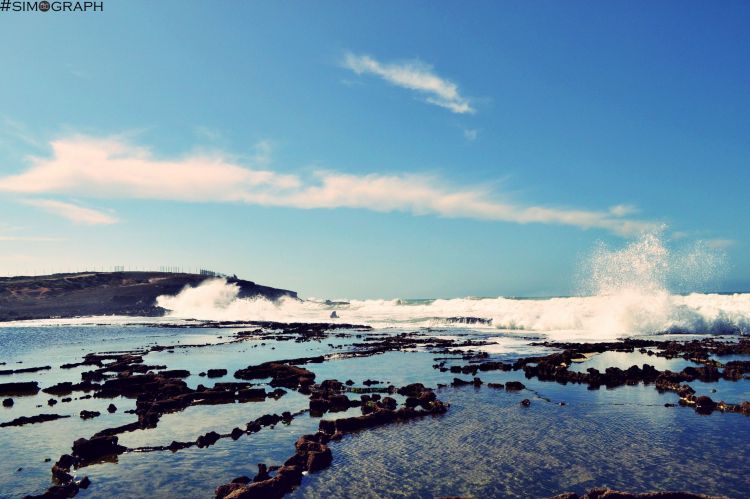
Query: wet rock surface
[157,391]
[19,388]
[555,367]
[24,420]
[605,493]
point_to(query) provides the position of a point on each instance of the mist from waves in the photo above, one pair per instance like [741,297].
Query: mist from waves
[623,292]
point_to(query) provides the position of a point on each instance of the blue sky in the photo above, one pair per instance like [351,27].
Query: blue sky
[373,149]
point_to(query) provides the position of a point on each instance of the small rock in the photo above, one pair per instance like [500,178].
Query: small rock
[262,473]
[526,402]
[514,385]
[704,404]
[216,373]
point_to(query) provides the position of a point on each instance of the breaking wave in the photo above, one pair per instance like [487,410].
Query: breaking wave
[627,294]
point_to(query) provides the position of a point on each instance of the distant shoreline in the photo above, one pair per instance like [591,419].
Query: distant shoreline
[85,294]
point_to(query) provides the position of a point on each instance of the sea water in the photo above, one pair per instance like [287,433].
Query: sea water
[487,445]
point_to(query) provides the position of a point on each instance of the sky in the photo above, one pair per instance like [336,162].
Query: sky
[374,149]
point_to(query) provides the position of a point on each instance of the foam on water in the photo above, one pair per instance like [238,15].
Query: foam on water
[628,294]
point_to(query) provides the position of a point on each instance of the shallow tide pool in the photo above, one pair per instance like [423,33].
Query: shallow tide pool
[487,445]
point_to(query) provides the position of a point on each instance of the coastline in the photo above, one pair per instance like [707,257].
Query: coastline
[351,406]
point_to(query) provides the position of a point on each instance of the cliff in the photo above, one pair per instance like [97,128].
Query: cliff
[104,293]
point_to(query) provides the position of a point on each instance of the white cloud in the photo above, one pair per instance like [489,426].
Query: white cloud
[73,212]
[623,210]
[112,168]
[262,153]
[88,166]
[414,76]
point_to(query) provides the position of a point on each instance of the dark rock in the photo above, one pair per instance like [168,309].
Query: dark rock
[262,473]
[241,479]
[319,406]
[90,414]
[389,403]
[216,373]
[514,386]
[411,390]
[268,419]
[8,402]
[327,426]
[69,489]
[281,374]
[24,420]
[84,483]
[96,447]
[340,403]
[236,433]
[606,493]
[175,373]
[287,477]
[208,439]
[6,372]
[318,460]
[704,405]
[51,402]
[19,388]
[526,402]
[111,408]
[61,474]
[66,461]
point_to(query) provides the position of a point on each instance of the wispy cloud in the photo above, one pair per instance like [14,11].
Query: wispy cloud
[113,168]
[414,75]
[471,134]
[19,132]
[73,212]
[623,210]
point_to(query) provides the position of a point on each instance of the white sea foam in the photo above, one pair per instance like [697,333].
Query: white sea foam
[628,295]
[625,292]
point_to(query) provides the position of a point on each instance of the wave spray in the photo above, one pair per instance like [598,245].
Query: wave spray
[630,291]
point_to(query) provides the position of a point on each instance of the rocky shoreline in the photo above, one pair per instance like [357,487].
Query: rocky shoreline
[105,293]
[158,391]
[555,367]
